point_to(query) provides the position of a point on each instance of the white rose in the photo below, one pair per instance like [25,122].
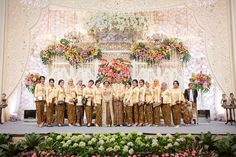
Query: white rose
[125,149]
[159,135]
[75,145]
[130,144]
[68,142]
[65,145]
[90,142]
[101,142]
[176,144]
[101,148]
[94,140]
[59,137]
[88,137]
[169,145]
[82,144]
[116,148]
[131,151]
[112,139]
[109,149]
[154,144]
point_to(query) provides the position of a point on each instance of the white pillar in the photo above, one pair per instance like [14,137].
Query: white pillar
[2,40]
[233,28]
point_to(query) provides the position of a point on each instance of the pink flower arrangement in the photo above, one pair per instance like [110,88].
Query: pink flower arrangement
[201,82]
[117,68]
[31,80]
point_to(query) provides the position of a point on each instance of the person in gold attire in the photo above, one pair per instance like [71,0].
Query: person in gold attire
[155,84]
[149,97]
[88,94]
[98,103]
[135,100]
[71,98]
[141,102]
[40,100]
[118,94]
[165,104]
[108,112]
[50,99]
[177,100]
[157,103]
[79,105]
[128,104]
[60,103]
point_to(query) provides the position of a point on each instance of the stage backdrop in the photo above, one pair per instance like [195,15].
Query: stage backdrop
[205,30]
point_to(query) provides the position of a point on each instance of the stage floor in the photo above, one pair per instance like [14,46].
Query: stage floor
[20,128]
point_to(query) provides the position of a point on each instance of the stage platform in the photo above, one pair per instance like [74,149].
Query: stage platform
[20,128]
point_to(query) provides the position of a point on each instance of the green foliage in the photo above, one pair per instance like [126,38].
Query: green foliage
[5,139]
[11,149]
[227,146]
[64,42]
[32,141]
[206,144]
[186,57]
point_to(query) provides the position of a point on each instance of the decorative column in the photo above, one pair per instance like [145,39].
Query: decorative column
[233,28]
[2,41]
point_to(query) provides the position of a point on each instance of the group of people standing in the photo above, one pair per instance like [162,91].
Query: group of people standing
[135,103]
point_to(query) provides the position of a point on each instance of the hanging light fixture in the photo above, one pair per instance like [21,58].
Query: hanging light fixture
[34,3]
[206,3]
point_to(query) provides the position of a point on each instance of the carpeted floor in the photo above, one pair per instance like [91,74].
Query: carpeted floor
[20,128]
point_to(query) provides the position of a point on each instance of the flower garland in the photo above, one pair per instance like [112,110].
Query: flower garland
[160,50]
[31,80]
[117,68]
[70,51]
[119,144]
[201,82]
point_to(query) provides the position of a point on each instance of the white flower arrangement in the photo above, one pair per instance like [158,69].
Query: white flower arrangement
[119,21]
[106,27]
[117,144]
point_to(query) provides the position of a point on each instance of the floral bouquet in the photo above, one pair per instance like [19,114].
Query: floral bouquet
[31,80]
[176,45]
[159,50]
[117,68]
[201,82]
[144,53]
[76,55]
[70,51]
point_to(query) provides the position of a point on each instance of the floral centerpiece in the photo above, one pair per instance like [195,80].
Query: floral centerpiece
[201,82]
[70,51]
[117,68]
[31,80]
[159,50]
[129,24]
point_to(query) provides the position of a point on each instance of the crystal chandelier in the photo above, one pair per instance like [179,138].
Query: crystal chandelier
[206,3]
[35,3]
